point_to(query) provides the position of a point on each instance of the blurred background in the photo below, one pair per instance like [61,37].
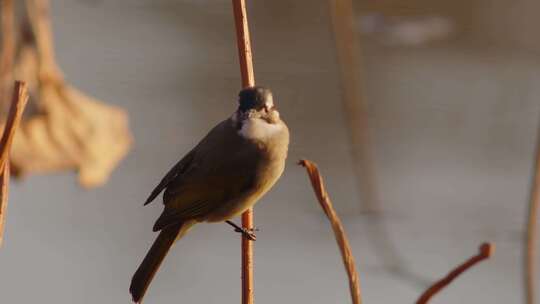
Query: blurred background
[451,92]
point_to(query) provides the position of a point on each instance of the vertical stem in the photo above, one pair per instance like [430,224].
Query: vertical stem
[4,192]
[529,265]
[18,102]
[248,80]
[348,50]
[20,97]
[244,43]
[247,260]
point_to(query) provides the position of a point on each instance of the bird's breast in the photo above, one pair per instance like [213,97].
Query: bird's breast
[259,129]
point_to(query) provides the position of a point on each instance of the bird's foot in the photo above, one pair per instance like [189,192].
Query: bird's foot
[247,233]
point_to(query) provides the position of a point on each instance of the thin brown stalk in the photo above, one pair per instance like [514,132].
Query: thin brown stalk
[244,43]
[18,102]
[20,97]
[362,150]
[4,191]
[248,80]
[529,263]
[354,104]
[485,251]
[339,231]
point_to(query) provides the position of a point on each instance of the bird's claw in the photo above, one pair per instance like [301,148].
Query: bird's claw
[248,233]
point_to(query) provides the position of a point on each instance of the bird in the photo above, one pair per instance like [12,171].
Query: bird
[224,175]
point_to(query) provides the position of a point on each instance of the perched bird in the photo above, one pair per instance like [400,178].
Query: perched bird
[235,164]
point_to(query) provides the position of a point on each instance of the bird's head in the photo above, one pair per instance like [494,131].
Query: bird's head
[257,103]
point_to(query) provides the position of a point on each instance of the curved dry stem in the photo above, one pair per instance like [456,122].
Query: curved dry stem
[339,231]
[486,250]
[530,246]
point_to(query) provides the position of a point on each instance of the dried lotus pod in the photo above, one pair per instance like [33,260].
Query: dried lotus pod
[65,128]
[74,131]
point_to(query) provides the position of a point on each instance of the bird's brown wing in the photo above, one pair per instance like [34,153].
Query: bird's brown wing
[175,171]
[200,198]
[223,167]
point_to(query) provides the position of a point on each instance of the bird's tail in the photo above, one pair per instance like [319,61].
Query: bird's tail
[149,266]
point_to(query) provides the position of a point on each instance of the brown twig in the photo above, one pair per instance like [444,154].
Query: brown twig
[244,43]
[20,97]
[4,188]
[339,231]
[349,55]
[354,104]
[18,102]
[485,251]
[529,263]
[248,80]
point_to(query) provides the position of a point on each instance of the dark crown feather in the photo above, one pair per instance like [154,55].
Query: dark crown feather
[253,98]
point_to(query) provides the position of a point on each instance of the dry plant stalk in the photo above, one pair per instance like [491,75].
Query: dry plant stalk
[530,247]
[248,80]
[349,54]
[68,130]
[354,104]
[485,251]
[339,231]
[18,103]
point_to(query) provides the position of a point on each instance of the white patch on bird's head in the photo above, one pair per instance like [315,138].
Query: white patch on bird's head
[259,129]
